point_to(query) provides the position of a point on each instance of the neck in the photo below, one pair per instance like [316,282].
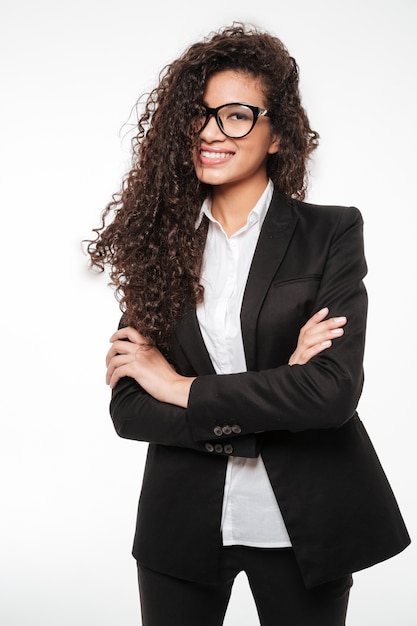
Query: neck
[231,206]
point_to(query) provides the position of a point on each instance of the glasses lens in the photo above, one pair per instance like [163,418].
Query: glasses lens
[236,119]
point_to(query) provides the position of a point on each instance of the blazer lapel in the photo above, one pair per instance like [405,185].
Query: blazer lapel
[189,337]
[272,244]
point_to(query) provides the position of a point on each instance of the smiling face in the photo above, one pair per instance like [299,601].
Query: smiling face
[220,160]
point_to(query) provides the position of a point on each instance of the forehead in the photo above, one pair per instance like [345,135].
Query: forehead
[233,86]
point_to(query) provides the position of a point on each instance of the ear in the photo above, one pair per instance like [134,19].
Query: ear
[274,145]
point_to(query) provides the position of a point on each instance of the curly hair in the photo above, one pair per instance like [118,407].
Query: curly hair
[152,245]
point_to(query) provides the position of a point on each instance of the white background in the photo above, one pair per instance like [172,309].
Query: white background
[70,75]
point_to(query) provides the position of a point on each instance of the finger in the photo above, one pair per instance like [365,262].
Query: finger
[322,333]
[114,363]
[317,317]
[301,357]
[317,349]
[318,321]
[336,322]
[323,330]
[320,315]
[129,333]
[120,347]
[116,375]
[110,355]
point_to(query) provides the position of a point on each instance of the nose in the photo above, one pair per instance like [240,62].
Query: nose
[211,131]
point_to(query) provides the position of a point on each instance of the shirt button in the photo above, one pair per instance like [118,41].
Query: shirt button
[218,448]
[228,449]
[227,430]
[218,431]
[236,429]
[209,447]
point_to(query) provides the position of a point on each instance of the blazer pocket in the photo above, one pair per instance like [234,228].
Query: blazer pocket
[290,302]
[286,308]
[297,279]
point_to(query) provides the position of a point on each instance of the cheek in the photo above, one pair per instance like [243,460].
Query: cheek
[257,151]
[197,166]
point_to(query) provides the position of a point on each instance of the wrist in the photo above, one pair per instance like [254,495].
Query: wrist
[182,392]
[178,391]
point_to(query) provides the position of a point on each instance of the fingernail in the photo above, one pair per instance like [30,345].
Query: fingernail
[340,320]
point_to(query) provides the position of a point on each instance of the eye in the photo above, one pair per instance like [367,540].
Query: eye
[237,114]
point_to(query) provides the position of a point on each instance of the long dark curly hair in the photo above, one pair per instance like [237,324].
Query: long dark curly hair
[152,246]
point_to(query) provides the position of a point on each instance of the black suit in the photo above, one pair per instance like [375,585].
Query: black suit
[336,502]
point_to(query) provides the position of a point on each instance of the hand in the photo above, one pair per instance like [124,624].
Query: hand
[316,335]
[146,364]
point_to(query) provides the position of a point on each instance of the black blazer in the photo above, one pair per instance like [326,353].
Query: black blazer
[336,502]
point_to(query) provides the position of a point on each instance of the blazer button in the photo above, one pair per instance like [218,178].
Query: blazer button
[218,448]
[209,447]
[228,449]
[218,431]
[236,429]
[227,430]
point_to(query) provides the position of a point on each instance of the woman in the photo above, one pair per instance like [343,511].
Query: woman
[239,355]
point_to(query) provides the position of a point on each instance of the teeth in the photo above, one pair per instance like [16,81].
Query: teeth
[214,155]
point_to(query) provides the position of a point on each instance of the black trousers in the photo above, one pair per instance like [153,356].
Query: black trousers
[274,577]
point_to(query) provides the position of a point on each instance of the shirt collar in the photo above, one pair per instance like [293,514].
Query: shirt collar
[257,214]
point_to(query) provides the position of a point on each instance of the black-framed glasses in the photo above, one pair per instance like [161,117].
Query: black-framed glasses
[235,119]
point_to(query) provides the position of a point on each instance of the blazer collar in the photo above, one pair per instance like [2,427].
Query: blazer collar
[272,244]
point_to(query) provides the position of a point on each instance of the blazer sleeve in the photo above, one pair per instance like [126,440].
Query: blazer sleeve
[137,415]
[324,392]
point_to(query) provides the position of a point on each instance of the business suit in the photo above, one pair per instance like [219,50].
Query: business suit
[337,505]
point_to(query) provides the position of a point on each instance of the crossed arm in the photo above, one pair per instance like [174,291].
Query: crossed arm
[144,363]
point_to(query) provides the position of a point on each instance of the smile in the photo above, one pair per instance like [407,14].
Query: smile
[215,155]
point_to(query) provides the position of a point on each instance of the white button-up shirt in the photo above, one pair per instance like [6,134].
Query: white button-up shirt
[251,515]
